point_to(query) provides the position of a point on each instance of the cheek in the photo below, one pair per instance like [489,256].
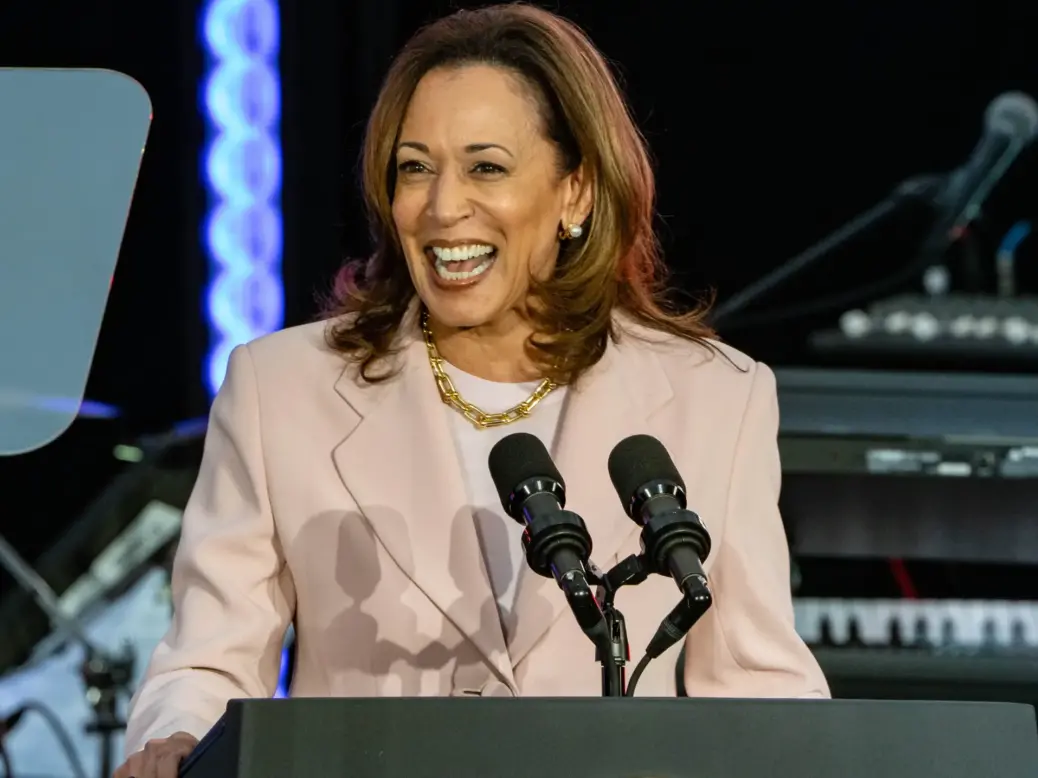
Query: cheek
[407,209]
[405,220]
[535,230]
[400,219]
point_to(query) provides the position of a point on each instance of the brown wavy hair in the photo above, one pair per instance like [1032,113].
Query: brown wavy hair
[616,265]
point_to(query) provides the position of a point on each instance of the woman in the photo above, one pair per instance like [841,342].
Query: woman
[515,287]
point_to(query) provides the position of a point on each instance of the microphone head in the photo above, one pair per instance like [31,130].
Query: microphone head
[1014,114]
[517,459]
[636,462]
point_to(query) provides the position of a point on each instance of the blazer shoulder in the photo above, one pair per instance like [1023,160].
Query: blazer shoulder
[718,368]
[705,358]
[300,349]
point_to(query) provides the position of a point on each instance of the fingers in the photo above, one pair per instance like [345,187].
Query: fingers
[133,768]
[185,740]
[166,765]
[159,758]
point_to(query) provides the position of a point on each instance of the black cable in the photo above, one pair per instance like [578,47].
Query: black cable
[59,731]
[6,725]
[638,670]
[830,302]
[919,189]
[5,760]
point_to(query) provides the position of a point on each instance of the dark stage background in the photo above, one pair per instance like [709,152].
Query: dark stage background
[772,124]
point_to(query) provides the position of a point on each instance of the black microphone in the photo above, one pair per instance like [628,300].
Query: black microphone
[1010,124]
[674,540]
[556,541]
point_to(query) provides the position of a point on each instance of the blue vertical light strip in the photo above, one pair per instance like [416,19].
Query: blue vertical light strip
[243,230]
[284,682]
[285,676]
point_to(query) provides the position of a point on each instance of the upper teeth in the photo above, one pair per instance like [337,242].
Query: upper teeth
[461,253]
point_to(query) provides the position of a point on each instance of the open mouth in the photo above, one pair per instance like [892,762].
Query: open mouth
[460,264]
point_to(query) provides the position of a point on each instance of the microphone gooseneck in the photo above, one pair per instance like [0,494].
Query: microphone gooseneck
[556,541]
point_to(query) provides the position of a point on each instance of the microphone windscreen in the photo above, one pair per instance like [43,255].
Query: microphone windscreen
[517,458]
[1015,114]
[637,460]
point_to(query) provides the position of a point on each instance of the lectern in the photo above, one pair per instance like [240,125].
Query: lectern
[616,738]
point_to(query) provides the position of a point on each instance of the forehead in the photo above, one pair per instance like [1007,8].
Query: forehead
[472,103]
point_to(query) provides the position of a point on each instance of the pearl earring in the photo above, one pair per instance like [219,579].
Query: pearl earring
[572,232]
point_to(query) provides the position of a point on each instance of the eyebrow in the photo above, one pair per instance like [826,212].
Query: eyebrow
[472,148]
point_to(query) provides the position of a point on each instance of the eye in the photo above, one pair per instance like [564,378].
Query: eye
[487,169]
[411,166]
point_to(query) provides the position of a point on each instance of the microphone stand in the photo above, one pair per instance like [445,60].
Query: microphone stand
[105,675]
[614,654]
[921,188]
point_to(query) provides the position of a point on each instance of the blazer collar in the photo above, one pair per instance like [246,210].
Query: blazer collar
[615,399]
[399,463]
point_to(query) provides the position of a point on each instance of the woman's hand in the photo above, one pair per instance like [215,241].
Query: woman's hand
[159,758]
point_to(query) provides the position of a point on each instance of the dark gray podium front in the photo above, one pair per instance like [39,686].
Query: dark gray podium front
[616,738]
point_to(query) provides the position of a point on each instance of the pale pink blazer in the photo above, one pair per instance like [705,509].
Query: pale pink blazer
[341,506]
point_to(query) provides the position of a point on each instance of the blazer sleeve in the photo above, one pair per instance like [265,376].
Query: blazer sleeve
[232,595]
[747,645]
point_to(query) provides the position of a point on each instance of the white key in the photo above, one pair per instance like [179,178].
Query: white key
[1025,618]
[872,623]
[840,615]
[908,611]
[970,624]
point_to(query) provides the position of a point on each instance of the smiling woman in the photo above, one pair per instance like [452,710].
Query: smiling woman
[500,134]
[477,206]
[515,286]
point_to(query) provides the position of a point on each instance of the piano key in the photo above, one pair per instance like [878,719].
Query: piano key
[969,624]
[873,617]
[992,625]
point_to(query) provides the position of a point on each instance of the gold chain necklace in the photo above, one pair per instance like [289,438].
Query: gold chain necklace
[480,419]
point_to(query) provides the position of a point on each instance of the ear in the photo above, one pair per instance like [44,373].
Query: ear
[579,197]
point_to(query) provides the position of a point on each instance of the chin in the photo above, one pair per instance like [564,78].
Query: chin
[465,307]
[461,314]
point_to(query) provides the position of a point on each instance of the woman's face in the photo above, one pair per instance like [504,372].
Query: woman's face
[479,195]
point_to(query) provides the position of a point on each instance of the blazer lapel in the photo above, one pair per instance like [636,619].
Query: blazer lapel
[400,465]
[612,401]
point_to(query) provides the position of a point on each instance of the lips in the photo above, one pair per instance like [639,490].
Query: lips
[461,264]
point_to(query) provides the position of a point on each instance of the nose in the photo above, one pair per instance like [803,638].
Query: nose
[449,200]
